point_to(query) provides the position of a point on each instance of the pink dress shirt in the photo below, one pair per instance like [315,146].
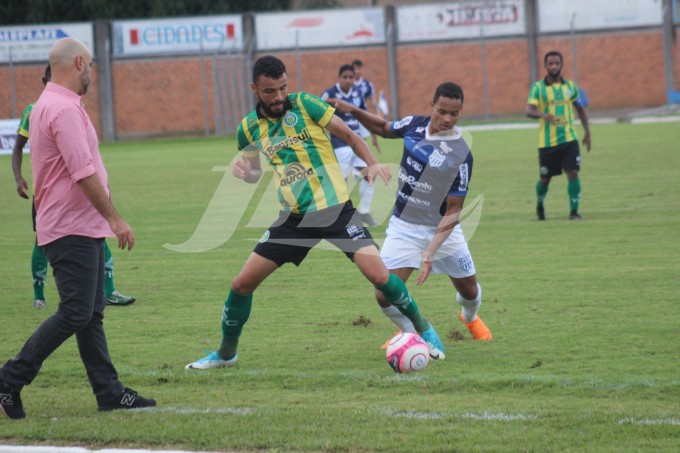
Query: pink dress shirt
[64,150]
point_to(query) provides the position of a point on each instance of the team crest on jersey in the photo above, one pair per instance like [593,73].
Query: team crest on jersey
[290,119]
[295,172]
[436,159]
[568,92]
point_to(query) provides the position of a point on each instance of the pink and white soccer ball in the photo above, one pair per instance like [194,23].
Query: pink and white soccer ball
[407,352]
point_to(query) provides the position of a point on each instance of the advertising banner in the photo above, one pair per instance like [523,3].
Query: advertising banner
[177,35]
[557,15]
[8,134]
[326,28]
[33,42]
[461,20]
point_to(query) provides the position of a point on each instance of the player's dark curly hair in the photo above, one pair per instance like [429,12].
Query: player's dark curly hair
[345,67]
[552,53]
[448,90]
[268,66]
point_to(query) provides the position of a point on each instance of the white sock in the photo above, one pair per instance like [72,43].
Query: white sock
[399,319]
[366,193]
[470,307]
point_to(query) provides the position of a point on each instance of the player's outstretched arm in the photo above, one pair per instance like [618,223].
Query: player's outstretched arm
[375,124]
[338,128]
[454,205]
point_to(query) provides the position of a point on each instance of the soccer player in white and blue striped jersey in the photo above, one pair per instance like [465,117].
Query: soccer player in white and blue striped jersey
[346,90]
[424,231]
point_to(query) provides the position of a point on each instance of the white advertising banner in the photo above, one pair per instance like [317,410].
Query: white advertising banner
[33,42]
[327,28]
[8,134]
[461,20]
[557,15]
[177,36]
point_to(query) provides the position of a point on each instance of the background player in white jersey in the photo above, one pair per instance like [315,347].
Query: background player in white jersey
[346,90]
[434,173]
[370,99]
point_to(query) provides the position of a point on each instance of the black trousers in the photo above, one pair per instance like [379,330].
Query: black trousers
[78,265]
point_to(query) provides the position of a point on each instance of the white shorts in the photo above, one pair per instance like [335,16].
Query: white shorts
[348,160]
[406,242]
[363,132]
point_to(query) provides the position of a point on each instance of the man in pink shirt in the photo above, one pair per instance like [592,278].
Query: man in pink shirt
[74,215]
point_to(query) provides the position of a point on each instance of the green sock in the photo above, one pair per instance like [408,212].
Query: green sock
[235,315]
[574,190]
[396,294]
[39,271]
[109,287]
[541,192]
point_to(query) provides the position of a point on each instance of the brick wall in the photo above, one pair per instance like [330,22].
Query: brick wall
[28,87]
[164,96]
[160,97]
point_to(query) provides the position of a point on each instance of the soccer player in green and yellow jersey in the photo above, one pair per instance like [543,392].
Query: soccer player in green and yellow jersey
[550,101]
[291,132]
[38,258]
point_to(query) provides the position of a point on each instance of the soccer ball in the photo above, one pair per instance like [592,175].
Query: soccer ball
[407,352]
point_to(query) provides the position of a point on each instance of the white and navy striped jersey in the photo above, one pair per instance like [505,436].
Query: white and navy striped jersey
[353,97]
[432,168]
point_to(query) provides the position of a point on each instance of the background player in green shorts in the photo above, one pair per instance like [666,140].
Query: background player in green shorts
[290,131]
[38,258]
[550,101]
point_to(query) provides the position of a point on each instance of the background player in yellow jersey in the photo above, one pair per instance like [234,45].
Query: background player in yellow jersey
[289,130]
[38,258]
[550,101]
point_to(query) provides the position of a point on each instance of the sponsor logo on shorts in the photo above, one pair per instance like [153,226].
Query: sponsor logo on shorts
[295,172]
[465,262]
[290,119]
[356,232]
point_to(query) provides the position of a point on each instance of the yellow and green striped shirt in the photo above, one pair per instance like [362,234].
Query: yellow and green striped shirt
[23,124]
[300,153]
[555,99]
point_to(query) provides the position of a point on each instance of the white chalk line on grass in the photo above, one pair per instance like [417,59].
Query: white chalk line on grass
[650,421]
[485,416]
[191,410]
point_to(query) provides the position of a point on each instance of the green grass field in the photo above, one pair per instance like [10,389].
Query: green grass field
[585,315]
